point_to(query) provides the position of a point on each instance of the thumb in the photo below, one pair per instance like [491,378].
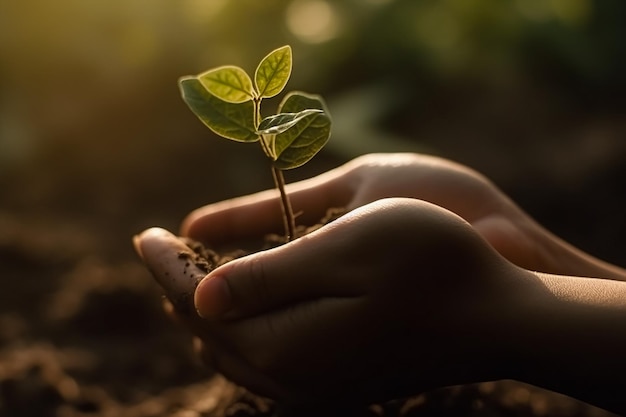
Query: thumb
[297,271]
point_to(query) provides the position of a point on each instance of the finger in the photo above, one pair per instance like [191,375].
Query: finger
[171,312]
[162,251]
[302,269]
[171,262]
[303,338]
[234,368]
[259,214]
[205,353]
[506,237]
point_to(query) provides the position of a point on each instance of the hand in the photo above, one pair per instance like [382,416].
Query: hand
[396,297]
[293,323]
[371,177]
[328,315]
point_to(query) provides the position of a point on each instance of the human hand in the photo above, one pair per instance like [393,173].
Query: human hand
[451,324]
[371,177]
[396,297]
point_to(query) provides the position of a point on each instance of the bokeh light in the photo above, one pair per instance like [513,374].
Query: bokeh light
[575,12]
[312,21]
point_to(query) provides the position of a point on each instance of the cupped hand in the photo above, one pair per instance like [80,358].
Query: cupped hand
[397,296]
[367,179]
[507,228]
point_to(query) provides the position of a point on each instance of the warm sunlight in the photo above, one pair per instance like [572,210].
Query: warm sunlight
[312,21]
[122,116]
[572,12]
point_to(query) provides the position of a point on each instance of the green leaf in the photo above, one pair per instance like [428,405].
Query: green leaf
[230,120]
[282,122]
[297,145]
[273,72]
[229,83]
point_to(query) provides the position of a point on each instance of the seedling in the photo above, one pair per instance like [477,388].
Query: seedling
[227,101]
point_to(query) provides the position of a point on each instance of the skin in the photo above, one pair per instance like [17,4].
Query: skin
[433,278]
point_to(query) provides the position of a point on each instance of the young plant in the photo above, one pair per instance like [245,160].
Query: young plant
[228,102]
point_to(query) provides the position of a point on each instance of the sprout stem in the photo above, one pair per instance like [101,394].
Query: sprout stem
[288,218]
[279,180]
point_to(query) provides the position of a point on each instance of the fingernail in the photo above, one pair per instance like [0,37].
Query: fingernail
[212,297]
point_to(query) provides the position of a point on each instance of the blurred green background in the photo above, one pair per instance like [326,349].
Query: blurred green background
[530,92]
